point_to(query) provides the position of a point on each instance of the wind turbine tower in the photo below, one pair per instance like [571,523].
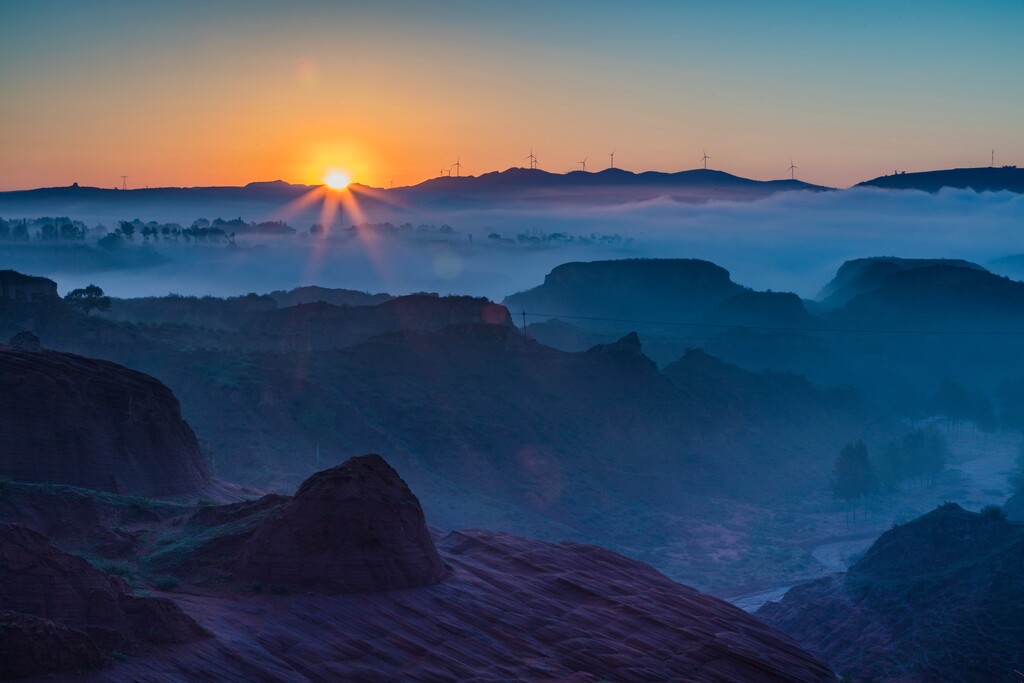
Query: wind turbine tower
[792,169]
[612,155]
[457,166]
[705,159]
[533,160]
[584,164]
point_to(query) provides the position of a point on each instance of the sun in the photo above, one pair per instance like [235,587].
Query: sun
[336,180]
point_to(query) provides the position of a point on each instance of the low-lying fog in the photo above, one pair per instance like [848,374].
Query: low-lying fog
[792,241]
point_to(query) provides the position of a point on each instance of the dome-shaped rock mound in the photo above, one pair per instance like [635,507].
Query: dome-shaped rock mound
[353,528]
[71,420]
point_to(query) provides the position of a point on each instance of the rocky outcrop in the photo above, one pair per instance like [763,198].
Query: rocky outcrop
[936,599]
[323,325]
[629,345]
[82,422]
[54,599]
[26,341]
[15,287]
[355,527]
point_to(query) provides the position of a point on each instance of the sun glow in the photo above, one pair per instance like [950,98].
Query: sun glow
[336,180]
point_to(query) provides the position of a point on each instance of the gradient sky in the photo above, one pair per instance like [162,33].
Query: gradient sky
[222,93]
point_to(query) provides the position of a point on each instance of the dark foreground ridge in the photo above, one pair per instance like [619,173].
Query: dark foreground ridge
[270,581]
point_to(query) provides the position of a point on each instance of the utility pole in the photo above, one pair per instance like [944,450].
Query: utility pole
[525,333]
[124,182]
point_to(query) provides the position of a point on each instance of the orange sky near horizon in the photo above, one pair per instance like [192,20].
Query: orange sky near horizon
[396,92]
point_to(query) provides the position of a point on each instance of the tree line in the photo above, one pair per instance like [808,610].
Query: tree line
[920,455]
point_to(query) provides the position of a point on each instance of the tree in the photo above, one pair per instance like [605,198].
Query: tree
[127,229]
[87,299]
[853,475]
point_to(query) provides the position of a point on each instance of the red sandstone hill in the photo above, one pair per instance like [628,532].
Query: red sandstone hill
[355,527]
[60,613]
[71,420]
[479,605]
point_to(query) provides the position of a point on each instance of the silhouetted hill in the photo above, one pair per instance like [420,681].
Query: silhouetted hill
[334,296]
[984,179]
[270,198]
[517,179]
[936,599]
[940,298]
[630,289]
[607,186]
[210,312]
[862,275]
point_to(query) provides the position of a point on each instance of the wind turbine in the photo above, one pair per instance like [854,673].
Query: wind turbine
[533,159]
[457,166]
[705,160]
[612,155]
[583,164]
[792,169]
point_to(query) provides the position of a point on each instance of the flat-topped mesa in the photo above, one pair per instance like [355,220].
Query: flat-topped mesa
[82,422]
[353,528]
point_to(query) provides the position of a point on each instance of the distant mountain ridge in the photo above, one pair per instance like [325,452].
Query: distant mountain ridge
[984,179]
[514,185]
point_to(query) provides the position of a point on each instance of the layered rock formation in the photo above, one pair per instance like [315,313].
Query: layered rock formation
[936,599]
[506,608]
[478,606]
[510,609]
[60,606]
[82,422]
[355,527]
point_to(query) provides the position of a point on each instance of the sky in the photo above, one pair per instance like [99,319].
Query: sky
[225,93]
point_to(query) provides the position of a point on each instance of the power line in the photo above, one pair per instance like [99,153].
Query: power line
[836,330]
